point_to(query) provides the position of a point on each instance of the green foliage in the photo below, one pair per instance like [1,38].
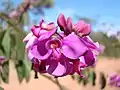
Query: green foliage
[28,66]
[20,68]
[1,88]
[23,68]
[2,33]
[4,72]
[6,43]
[112,45]
[92,77]
[11,40]
[102,81]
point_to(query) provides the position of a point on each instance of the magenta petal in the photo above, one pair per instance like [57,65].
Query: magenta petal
[39,66]
[69,69]
[82,28]
[73,47]
[40,51]
[89,43]
[57,68]
[47,34]
[35,30]
[78,67]
[69,25]
[61,22]
[32,41]
[86,30]
[26,39]
[89,58]
[49,26]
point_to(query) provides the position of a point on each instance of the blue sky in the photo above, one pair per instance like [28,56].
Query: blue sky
[100,10]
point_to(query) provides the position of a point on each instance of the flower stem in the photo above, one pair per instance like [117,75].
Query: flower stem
[57,82]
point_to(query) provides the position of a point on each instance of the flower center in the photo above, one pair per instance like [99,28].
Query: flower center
[54,45]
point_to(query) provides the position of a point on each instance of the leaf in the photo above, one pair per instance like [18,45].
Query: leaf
[85,80]
[5,72]
[102,81]
[20,47]
[2,33]
[1,88]
[2,49]
[7,44]
[13,40]
[79,79]
[27,65]
[20,68]
[92,77]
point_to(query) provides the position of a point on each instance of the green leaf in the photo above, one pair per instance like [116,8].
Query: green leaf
[1,88]
[2,49]
[20,68]
[13,40]
[20,47]
[5,72]
[92,77]
[79,79]
[27,65]
[7,43]
[85,80]
[2,33]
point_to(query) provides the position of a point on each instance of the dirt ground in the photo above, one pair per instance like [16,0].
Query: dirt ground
[103,65]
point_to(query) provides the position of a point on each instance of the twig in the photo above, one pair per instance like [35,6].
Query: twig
[57,82]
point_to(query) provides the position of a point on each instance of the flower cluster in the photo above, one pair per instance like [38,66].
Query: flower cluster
[114,80]
[61,52]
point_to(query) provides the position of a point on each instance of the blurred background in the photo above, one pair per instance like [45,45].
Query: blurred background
[16,19]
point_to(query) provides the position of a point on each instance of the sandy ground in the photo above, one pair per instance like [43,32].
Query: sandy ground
[104,65]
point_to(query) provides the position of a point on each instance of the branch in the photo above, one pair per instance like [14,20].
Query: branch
[57,82]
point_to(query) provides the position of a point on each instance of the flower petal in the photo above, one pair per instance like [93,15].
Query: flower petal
[82,27]
[89,43]
[61,21]
[26,39]
[89,58]
[35,30]
[32,41]
[56,68]
[46,34]
[40,51]
[73,47]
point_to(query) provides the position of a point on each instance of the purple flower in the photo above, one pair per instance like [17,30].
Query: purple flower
[44,31]
[61,53]
[114,80]
[81,28]
[71,46]
[94,49]
[65,25]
